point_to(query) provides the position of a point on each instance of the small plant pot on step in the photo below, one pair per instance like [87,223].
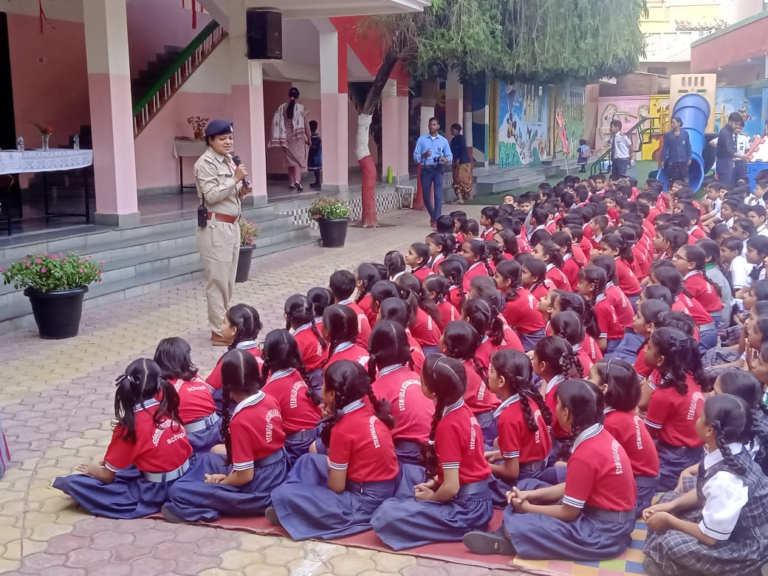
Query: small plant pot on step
[244,263]
[333,232]
[57,313]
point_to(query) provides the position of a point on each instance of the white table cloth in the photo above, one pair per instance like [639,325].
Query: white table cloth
[15,162]
[187,147]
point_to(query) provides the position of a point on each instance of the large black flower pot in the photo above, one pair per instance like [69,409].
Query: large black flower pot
[333,232]
[57,313]
[244,263]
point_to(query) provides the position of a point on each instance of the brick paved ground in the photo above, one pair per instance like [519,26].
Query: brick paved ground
[56,401]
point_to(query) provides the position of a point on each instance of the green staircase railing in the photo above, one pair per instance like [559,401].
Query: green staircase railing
[642,134]
[177,73]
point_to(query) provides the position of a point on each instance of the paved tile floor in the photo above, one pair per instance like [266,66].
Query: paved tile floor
[56,401]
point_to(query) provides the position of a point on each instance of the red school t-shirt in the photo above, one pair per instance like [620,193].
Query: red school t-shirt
[365,306]
[642,265]
[362,445]
[454,296]
[413,411]
[607,320]
[703,291]
[195,399]
[477,269]
[558,278]
[363,326]
[425,330]
[478,396]
[629,429]
[459,444]
[214,379]
[543,288]
[627,280]
[422,272]
[313,352]
[673,414]
[448,313]
[522,313]
[694,308]
[288,388]
[515,438]
[550,399]
[417,354]
[599,473]
[350,351]
[571,269]
[256,429]
[160,448]
[621,305]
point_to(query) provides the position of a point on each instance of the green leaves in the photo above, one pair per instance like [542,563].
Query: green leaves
[49,272]
[328,209]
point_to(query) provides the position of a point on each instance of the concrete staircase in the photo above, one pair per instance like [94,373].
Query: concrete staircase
[143,259]
[491,180]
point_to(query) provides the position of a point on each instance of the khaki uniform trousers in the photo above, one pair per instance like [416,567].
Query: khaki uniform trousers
[219,247]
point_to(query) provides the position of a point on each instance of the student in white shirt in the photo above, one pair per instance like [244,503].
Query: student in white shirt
[757,214]
[621,147]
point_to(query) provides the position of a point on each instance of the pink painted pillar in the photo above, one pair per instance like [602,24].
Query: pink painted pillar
[394,130]
[247,89]
[334,119]
[109,85]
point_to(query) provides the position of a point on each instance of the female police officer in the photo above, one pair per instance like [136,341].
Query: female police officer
[221,188]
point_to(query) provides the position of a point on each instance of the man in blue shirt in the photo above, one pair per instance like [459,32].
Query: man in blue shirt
[676,152]
[432,152]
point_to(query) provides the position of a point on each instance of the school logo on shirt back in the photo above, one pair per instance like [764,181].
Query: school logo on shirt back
[536,417]
[403,390]
[372,428]
[272,414]
[695,399]
[638,433]
[616,457]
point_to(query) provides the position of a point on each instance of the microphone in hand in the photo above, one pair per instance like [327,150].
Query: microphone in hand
[237,161]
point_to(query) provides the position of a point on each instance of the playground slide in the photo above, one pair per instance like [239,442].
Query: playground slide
[693,110]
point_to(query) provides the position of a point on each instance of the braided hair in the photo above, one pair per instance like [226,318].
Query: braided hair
[461,341]
[493,252]
[536,269]
[571,301]
[282,352]
[550,253]
[412,290]
[676,319]
[476,247]
[367,276]
[447,380]
[608,264]
[746,386]
[349,382]
[388,345]
[453,271]
[381,291]
[395,263]
[731,419]
[174,356]
[681,357]
[598,279]
[246,322]
[568,326]
[623,393]
[696,256]
[484,319]
[445,242]
[299,311]
[515,367]
[667,275]
[564,240]
[658,292]
[616,242]
[512,271]
[340,322]
[320,298]
[142,381]
[440,286]
[421,250]
[509,241]
[559,355]
[584,401]
[239,374]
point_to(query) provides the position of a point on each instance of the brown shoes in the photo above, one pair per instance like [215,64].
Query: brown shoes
[217,340]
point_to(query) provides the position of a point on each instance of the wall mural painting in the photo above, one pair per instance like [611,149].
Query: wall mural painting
[523,120]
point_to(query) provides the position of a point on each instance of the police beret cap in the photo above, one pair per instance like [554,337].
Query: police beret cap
[218,126]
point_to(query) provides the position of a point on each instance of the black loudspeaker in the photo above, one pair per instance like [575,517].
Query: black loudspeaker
[264,34]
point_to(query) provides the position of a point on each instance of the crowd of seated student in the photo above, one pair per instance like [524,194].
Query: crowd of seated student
[573,352]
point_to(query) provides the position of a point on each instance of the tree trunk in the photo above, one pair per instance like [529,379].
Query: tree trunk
[363,150]
[429,89]
[467,129]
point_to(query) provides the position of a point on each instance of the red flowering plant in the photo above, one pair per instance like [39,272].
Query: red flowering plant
[48,272]
[248,233]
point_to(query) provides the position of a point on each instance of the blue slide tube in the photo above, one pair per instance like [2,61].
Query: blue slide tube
[693,110]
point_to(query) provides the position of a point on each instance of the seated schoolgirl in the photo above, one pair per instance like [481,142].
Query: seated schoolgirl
[675,401]
[571,266]
[417,258]
[300,317]
[424,316]
[241,327]
[725,535]
[624,308]
[235,479]
[596,517]
[335,496]
[592,285]
[648,312]
[691,262]
[451,495]
[619,247]
[394,262]
[508,243]
[618,382]
[440,247]
[567,325]
[555,361]
[564,301]
[461,341]
[285,380]
[550,254]
[477,261]
[438,290]
[668,240]
[534,277]
[395,310]
[367,275]
[452,269]
[148,453]
[717,272]
[197,410]
[520,309]
[493,255]
[523,445]
[340,330]
[398,384]
[342,285]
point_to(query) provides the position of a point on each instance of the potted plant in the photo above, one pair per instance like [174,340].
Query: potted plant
[55,286]
[248,234]
[198,124]
[332,217]
[45,135]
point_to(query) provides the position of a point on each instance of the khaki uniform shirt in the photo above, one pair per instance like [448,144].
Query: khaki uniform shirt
[214,176]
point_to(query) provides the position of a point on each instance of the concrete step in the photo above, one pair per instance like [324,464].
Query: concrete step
[505,179]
